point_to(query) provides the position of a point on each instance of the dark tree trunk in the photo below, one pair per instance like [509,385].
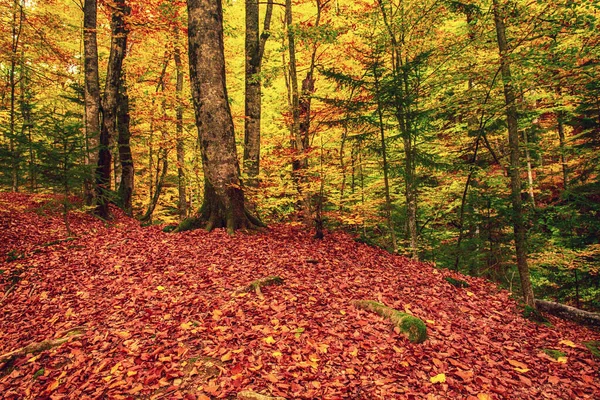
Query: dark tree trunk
[16,30]
[127,170]
[91,95]
[515,166]
[255,47]
[180,148]
[296,137]
[109,106]
[223,195]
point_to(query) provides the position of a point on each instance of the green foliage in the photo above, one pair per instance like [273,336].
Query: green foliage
[555,354]
[534,315]
[594,347]
[459,283]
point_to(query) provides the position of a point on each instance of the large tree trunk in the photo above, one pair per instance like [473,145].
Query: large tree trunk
[109,106]
[295,137]
[16,30]
[255,47]
[91,95]
[515,166]
[125,157]
[223,195]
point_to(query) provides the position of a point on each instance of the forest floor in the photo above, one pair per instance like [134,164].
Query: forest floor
[128,312]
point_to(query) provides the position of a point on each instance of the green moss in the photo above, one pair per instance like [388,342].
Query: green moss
[457,282]
[594,347]
[412,327]
[169,228]
[556,354]
[534,315]
[268,281]
[38,373]
[189,224]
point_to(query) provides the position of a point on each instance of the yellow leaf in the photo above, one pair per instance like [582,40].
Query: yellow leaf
[115,368]
[131,373]
[567,343]
[53,385]
[342,312]
[522,370]
[561,360]
[276,354]
[160,288]
[314,358]
[430,321]
[354,352]
[123,334]
[323,347]
[397,349]
[439,378]
[185,325]
[484,396]
[226,356]
[269,340]
[517,364]
[470,294]
[216,314]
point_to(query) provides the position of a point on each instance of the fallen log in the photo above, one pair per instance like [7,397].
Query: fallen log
[38,347]
[256,285]
[568,312]
[410,326]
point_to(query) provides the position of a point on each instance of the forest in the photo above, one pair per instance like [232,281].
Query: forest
[420,161]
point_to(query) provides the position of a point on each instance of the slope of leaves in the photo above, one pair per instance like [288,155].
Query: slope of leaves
[163,318]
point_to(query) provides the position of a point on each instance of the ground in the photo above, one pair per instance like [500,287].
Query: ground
[161,315]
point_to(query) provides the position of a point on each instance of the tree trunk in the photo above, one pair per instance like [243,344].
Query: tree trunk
[560,116]
[529,169]
[91,96]
[515,166]
[255,47]
[109,105]
[223,195]
[125,156]
[180,148]
[388,200]
[17,25]
[296,138]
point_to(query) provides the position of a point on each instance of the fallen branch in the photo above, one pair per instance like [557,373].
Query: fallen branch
[568,312]
[410,326]
[44,345]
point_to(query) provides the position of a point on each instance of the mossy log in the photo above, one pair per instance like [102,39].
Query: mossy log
[248,395]
[256,285]
[38,347]
[410,326]
[568,312]
[594,347]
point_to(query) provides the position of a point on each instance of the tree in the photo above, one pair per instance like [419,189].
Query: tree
[92,93]
[255,48]
[515,167]
[118,47]
[224,204]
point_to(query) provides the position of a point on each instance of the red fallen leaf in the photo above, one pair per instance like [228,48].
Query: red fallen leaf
[525,380]
[464,375]
[587,379]
[553,379]
[272,378]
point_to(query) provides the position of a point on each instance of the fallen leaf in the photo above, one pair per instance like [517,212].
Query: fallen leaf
[439,378]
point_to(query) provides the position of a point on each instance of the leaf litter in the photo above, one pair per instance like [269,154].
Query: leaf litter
[163,317]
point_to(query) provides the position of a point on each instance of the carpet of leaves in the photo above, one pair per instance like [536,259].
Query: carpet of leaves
[163,318]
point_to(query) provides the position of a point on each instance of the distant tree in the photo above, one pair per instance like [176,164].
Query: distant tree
[224,204]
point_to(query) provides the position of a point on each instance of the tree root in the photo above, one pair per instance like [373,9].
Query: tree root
[411,327]
[38,347]
[256,285]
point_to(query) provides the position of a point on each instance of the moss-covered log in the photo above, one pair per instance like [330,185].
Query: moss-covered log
[410,326]
[568,312]
[38,347]
[594,347]
[256,285]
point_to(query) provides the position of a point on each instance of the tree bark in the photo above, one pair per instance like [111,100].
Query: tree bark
[254,47]
[180,148]
[223,204]
[125,156]
[16,30]
[515,166]
[568,312]
[91,95]
[295,136]
[109,106]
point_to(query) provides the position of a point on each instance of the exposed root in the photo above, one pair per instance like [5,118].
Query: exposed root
[411,327]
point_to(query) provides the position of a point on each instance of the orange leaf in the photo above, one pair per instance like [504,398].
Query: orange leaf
[517,364]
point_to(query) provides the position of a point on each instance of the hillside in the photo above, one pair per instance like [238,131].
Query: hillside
[148,314]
